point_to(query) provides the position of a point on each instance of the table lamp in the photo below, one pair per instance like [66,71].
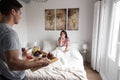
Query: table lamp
[84,46]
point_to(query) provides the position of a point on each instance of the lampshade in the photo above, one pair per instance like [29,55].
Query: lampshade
[84,46]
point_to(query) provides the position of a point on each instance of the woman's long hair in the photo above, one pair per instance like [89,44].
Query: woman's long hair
[66,36]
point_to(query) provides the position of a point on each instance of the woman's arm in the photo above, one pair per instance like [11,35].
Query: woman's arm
[60,41]
[67,44]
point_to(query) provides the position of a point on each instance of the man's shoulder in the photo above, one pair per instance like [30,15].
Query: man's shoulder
[7,32]
[6,28]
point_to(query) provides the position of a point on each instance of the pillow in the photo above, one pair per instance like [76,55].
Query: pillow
[33,44]
[49,46]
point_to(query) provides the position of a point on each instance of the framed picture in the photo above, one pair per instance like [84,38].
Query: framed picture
[60,19]
[73,18]
[49,19]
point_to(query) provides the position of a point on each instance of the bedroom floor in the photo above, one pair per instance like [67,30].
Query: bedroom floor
[91,75]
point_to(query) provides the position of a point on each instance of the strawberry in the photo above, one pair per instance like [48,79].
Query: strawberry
[29,57]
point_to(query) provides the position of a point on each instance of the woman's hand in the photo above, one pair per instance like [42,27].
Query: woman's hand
[65,50]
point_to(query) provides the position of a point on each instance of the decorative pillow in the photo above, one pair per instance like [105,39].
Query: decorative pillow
[48,46]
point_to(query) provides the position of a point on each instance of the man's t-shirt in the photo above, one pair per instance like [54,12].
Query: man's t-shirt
[9,41]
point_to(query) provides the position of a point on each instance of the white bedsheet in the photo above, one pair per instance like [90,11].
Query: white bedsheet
[69,66]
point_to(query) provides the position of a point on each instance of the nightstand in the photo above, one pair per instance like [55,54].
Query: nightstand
[84,54]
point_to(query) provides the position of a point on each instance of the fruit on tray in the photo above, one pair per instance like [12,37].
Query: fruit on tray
[50,56]
[29,57]
[24,52]
[44,55]
[37,53]
[35,49]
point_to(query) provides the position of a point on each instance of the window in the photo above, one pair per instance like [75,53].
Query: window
[115,33]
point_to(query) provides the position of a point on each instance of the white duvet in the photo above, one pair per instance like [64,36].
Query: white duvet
[69,66]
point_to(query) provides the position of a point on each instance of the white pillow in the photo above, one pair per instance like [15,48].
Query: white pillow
[32,44]
[49,46]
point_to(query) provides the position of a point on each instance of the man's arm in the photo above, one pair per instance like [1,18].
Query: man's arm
[14,63]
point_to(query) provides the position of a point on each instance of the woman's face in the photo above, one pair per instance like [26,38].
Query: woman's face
[63,35]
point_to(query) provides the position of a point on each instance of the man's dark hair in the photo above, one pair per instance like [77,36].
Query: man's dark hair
[7,5]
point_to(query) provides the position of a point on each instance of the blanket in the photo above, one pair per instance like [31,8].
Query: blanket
[69,66]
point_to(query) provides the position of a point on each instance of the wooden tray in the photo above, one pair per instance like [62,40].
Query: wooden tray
[51,61]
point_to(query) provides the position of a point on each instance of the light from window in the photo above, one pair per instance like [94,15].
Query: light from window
[115,31]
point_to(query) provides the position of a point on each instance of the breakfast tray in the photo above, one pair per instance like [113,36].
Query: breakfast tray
[51,61]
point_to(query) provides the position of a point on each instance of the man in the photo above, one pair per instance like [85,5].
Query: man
[11,64]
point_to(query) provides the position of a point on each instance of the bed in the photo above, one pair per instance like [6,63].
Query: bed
[69,66]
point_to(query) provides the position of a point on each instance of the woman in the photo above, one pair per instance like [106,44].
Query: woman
[63,40]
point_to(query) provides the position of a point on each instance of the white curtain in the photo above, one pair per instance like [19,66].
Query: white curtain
[101,60]
[97,36]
